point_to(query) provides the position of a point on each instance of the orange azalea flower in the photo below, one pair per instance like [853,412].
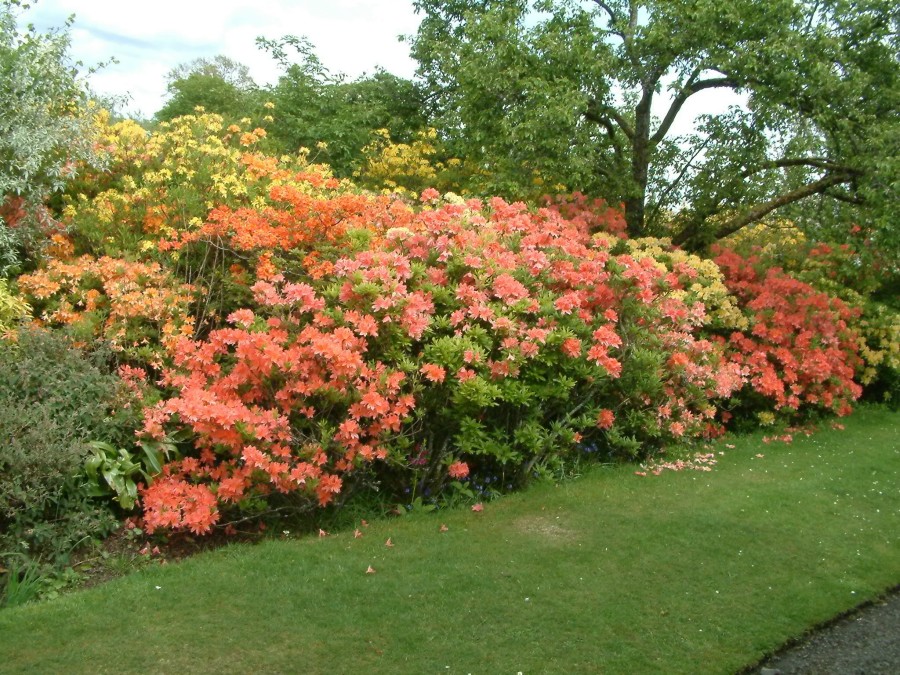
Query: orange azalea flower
[458,470]
[605,419]
[433,372]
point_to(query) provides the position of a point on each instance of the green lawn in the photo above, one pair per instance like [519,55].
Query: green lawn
[684,572]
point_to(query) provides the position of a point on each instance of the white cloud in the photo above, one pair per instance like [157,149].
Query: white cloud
[149,39]
[350,36]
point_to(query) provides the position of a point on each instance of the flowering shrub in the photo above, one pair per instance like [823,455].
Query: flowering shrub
[166,183]
[595,215]
[137,307]
[694,279]
[853,271]
[408,168]
[469,341]
[800,349]
[203,199]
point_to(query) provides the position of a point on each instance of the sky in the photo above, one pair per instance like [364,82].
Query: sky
[150,38]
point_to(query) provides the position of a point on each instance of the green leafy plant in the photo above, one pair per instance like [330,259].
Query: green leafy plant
[53,400]
[12,308]
[22,583]
[111,471]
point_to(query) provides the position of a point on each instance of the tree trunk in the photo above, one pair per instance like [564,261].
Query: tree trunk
[640,167]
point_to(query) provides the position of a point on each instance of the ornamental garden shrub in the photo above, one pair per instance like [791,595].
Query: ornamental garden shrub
[853,271]
[309,339]
[471,341]
[53,400]
[137,309]
[800,349]
[207,203]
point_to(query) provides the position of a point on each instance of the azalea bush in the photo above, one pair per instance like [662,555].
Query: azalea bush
[800,348]
[854,271]
[470,341]
[205,201]
[409,168]
[163,184]
[136,308]
[313,339]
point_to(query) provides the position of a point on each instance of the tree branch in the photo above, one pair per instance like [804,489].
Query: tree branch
[847,199]
[613,19]
[672,185]
[685,93]
[623,124]
[594,114]
[762,210]
[785,162]
[611,131]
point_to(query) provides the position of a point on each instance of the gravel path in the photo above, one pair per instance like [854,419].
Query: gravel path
[866,642]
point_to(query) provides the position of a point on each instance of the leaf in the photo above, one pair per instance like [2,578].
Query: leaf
[153,457]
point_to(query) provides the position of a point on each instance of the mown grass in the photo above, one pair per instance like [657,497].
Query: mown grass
[684,572]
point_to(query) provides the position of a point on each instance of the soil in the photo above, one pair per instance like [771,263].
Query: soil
[865,641]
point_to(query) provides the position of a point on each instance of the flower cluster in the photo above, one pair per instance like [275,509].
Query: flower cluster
[137,307]
[469,341]
[800,348]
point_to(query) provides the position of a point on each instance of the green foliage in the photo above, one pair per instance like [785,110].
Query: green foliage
[42,369]
[539,93]
[218,85]
[12,309]
[43,512]
[117,473]
[10,258]
[45,125]
[53,400]
[22,584]
[316,109]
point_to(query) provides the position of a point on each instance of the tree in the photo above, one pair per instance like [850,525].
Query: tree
[315,107]
[220,85]
[46,124]
[45,120]
[565,91]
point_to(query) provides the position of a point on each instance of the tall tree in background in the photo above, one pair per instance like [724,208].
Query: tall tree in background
[315,107]
[563,91]
[220,85]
